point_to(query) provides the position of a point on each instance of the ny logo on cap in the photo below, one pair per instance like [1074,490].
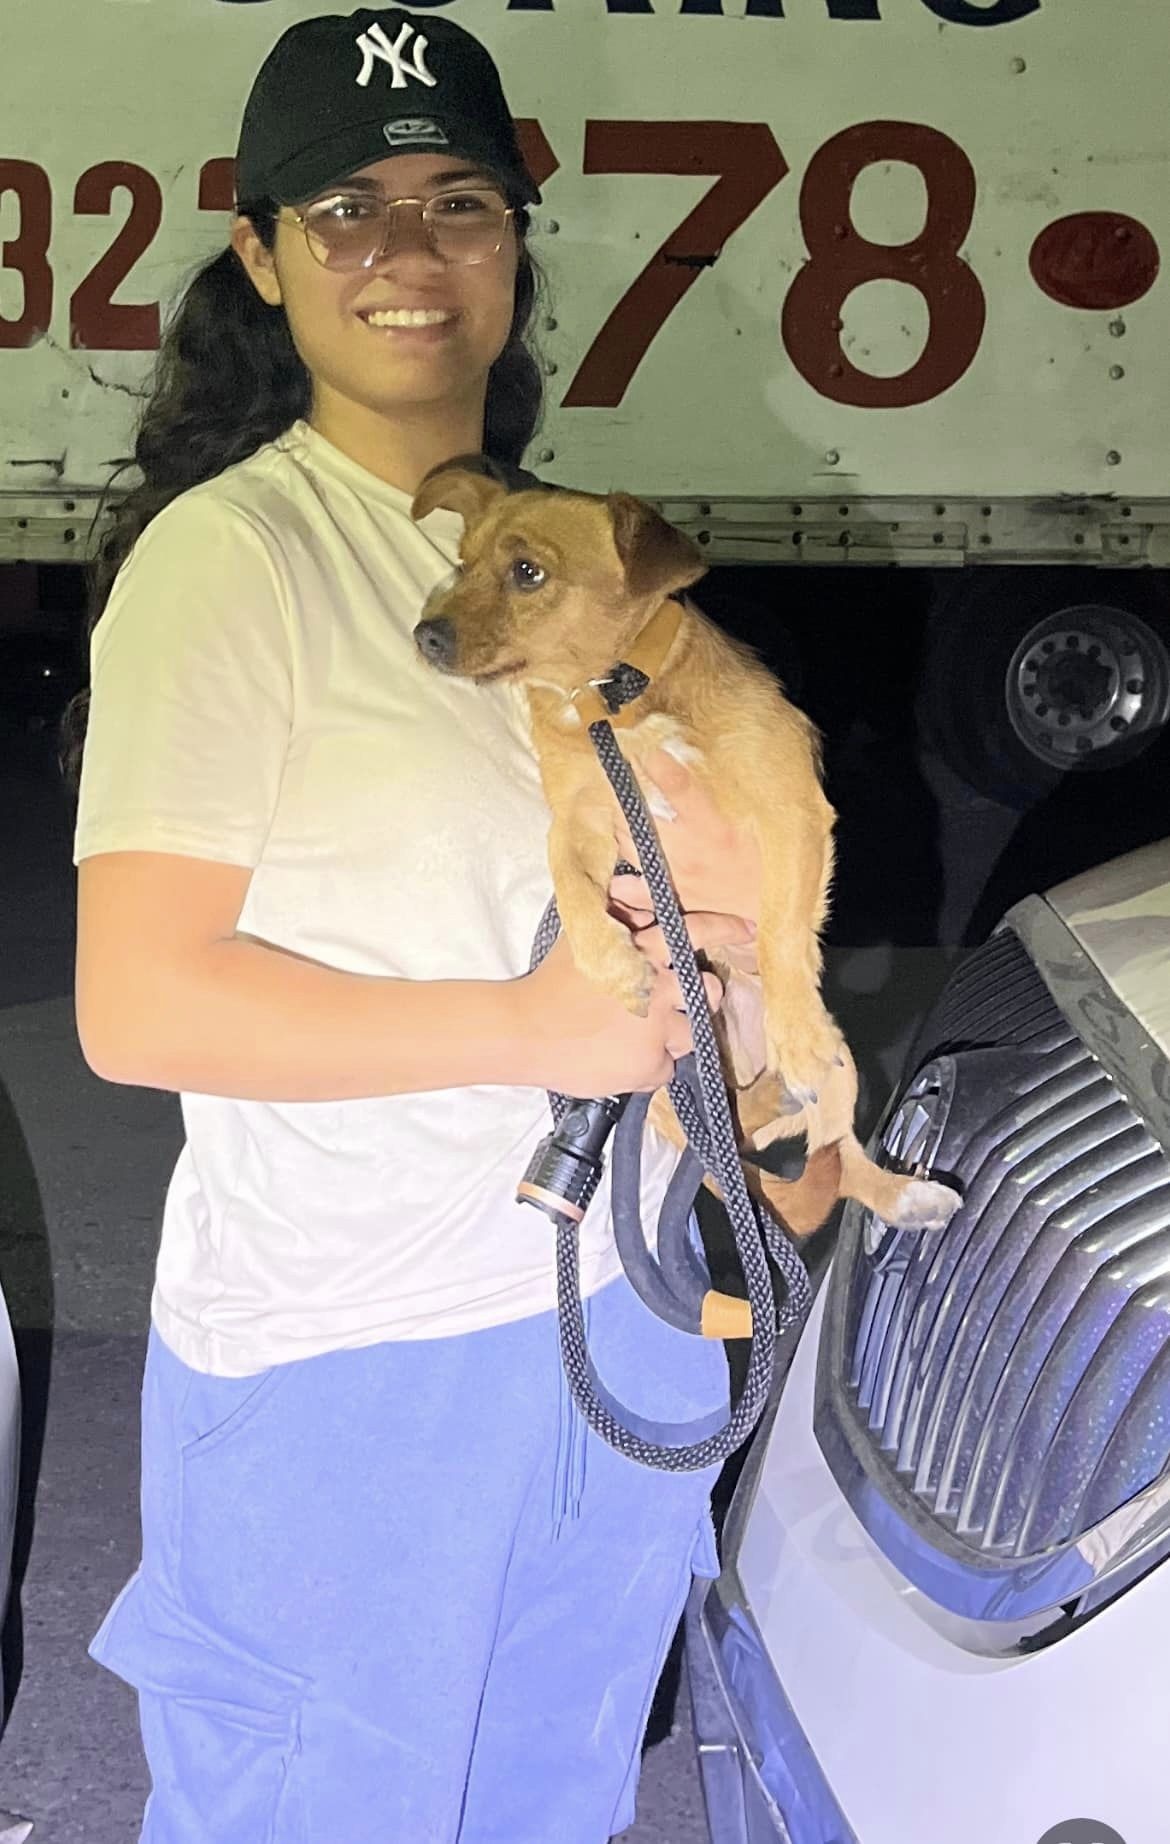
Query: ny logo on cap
[374,45]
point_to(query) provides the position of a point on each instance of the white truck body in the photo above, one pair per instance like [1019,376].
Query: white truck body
[890,164]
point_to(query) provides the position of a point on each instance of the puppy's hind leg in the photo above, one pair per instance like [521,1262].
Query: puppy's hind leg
[902,1202]
[802,1038]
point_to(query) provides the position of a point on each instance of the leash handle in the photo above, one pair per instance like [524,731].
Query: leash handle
[565,1170]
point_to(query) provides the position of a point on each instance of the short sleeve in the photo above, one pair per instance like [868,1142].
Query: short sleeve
[191,692]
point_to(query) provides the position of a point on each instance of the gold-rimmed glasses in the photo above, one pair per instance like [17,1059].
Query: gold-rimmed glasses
[354,230]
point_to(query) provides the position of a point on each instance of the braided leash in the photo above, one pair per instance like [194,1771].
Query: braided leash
[712,1139]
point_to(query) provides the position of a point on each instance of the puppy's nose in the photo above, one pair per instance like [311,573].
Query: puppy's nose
[435,640]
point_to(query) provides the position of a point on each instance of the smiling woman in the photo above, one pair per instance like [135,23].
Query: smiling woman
[390,1585]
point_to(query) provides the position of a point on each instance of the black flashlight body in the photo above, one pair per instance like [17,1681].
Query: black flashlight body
[566,1167]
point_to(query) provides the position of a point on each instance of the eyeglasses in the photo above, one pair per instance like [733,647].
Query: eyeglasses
[354,230]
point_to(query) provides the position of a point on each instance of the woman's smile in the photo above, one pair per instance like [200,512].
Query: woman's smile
[409,325]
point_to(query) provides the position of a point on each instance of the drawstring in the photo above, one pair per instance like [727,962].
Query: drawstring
[572,1435]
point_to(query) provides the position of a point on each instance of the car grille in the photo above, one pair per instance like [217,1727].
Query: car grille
[1013,1374]
[995,996]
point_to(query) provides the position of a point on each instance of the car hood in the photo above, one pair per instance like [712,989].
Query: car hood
[1120,915]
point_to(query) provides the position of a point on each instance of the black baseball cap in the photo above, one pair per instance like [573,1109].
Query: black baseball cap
[338,92]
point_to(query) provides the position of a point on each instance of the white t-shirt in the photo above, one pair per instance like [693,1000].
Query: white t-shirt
[258,700]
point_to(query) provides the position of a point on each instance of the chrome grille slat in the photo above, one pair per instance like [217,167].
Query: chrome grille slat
[982,1166]
[885,1298]
[863,1333]
[879,1406]
[907,1140]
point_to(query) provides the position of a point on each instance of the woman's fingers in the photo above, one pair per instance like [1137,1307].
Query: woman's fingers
[679,1037]
[715,989]
[670,776]
[678,1040]
[630,893]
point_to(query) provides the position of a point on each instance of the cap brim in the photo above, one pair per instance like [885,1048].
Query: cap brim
[339,156]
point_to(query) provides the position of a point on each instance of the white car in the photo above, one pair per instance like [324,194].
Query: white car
[13,1830]
[944,1616]
[9,1469]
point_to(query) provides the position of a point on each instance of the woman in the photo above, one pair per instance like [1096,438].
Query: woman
[390,1588]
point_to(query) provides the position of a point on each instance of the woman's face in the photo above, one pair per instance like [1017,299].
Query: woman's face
[392,368]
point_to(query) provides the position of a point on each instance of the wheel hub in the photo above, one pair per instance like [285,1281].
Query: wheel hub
[1085,680]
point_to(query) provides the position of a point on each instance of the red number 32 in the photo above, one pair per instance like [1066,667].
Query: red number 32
[95,321]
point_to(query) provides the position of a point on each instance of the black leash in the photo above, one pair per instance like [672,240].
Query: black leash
[671,1285]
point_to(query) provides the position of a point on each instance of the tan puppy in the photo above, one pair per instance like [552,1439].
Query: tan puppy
[555,589]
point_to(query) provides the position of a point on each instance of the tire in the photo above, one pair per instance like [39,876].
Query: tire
[1035,674]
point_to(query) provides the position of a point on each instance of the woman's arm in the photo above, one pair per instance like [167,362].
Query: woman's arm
[169,996]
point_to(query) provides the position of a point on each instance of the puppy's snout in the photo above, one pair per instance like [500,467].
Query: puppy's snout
[435,640]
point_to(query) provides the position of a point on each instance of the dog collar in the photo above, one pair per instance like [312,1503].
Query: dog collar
[608,700]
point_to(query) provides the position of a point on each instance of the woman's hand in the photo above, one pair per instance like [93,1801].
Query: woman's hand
[583,1042]
[714,866]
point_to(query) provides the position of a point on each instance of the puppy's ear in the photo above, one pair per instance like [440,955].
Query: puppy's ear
[461,486]
[658,558]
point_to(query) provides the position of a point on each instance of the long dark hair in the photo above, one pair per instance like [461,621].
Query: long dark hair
[227,380]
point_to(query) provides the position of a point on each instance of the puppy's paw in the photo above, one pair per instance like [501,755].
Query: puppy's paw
[803,1061]
[615,964]
[636,985]
[923,1204]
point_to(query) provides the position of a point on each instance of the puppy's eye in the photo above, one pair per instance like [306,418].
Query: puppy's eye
[526,575]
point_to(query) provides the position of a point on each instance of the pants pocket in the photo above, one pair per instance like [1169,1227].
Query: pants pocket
[220,1726]
[217,1408]
[702,1559]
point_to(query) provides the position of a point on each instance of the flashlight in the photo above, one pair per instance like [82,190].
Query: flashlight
[566,1167]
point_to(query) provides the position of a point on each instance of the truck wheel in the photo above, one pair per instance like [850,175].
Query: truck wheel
[1033,674]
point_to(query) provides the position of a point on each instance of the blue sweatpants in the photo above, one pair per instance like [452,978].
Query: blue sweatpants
[402,1595]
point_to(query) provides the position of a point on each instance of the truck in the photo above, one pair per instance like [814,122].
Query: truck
[830,282]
